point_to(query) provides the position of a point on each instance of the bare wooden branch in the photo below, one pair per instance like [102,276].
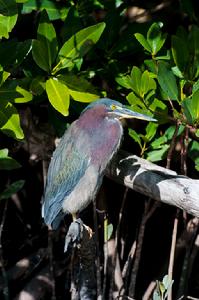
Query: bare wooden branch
[156,182]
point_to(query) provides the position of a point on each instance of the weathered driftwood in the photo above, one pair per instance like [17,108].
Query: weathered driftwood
[156,182]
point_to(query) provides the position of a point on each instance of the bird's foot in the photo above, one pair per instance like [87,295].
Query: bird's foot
[89,230]
[75,234]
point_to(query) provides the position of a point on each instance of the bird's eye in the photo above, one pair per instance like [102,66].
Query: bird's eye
[113,106]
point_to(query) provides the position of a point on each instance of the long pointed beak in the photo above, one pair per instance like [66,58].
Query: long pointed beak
[125,113]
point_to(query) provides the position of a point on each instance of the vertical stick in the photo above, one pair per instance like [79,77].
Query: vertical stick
[172,251]
[99,282]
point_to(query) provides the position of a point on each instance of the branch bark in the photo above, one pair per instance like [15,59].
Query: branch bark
[155,182]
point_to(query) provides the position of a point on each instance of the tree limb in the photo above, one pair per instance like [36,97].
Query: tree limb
[155,182]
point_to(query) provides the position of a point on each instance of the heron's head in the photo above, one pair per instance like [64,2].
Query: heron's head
[114,109]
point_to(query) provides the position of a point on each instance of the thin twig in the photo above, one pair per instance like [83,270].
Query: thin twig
[98,272]
[105,258]
[172,146]
[147,214]
[117,234]
[184,151]
[186,263]
[175,226]
[172,251]
[151,287]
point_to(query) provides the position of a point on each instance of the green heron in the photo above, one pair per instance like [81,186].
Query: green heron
[78,164]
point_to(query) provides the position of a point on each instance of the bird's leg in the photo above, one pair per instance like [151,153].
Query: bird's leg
[74,217]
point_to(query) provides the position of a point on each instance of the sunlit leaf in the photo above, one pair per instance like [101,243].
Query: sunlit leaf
[8,17]
[135,136]
[151,129]
[9,120]
[54,10]
[134,100]
[136,79]
[191,108]
[155,38]
[159,154]
[83,96]
[58,95]
[124,81]
[15,94]
[78,45]
[147,83]
[142,40]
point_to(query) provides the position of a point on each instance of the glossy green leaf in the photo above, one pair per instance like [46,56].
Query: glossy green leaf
[155,38]
[79,88]
[47,36]
[142,40]
[7,162]
[3,76]
[176,71]
[157,155]
[197,132]
[136,75]
[195,86]
[78,45]
[158,105]
[124,81]
[167,81]
[194,153]
[21,1]
[151,65]
[180,52]
[147,83]
[158,142]
[135,136]
[195,105]
[193,44]
[77,83]
[9,120]
[15,94]
[39,55]
[134,100]
[54,10]
[58,95]
[13,188]
[191,108]
[151,129]
[83,96]
[8,17]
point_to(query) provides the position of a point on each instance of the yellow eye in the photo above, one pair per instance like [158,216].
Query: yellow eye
[113,106]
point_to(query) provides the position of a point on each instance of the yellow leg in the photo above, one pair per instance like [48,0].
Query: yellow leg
[74,216]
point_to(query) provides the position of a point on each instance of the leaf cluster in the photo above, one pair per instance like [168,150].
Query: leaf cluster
[165,85]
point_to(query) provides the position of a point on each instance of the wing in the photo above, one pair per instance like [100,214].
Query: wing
[68,165]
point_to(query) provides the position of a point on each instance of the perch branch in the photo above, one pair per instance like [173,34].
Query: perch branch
[155,182]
